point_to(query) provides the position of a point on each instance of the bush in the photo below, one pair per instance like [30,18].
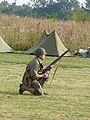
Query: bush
[78,16]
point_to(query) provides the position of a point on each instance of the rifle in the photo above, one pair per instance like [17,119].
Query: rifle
[48,68]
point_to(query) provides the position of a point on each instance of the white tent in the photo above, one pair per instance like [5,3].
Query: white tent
[4,47]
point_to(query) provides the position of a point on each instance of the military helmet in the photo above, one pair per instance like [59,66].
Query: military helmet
[40,51]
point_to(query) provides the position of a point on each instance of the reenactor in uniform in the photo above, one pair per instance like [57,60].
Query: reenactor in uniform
[31,79]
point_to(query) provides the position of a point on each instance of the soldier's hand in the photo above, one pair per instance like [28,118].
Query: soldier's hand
[45,75]
[51,66]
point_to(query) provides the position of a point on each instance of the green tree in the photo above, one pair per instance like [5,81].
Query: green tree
[23,10]
[74,4]
[69,4]
[51,16]
[39,3]
[4,6]
[88,4]
[12,8]
[78,15]
[60,7]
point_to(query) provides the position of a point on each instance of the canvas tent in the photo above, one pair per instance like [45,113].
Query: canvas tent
[51,43]
[4,47]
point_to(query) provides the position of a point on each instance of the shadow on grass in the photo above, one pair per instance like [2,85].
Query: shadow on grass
[14,93]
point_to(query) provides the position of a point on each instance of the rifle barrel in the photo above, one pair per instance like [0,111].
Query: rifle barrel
[48,68]
[56,60]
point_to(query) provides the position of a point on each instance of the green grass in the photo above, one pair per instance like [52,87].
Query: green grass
[69,93]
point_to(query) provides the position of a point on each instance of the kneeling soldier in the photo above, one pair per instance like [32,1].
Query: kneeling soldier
[31,80]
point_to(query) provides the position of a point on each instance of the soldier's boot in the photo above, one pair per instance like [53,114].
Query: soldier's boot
[20,89]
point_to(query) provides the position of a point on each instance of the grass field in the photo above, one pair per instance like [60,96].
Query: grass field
[69,93]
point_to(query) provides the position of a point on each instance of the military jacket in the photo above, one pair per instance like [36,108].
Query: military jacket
[33,69]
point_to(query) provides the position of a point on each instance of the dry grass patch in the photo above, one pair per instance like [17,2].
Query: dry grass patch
[21,33]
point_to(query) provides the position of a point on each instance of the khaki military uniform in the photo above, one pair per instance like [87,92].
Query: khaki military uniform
[30,79]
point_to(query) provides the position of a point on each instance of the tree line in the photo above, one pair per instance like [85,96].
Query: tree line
[50,9]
